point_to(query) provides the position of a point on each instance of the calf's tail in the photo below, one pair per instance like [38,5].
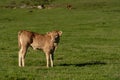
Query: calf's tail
[19,43]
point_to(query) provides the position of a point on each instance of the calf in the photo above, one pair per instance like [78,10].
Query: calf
[47,42]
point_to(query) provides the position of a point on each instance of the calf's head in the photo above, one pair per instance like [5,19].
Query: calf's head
[55,36]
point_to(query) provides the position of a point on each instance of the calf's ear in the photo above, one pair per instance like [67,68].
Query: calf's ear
[48,32]
[60,33]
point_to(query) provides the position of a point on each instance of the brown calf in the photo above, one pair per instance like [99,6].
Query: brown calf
[47,42]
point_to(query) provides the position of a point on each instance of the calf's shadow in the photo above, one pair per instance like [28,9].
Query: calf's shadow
[92,63]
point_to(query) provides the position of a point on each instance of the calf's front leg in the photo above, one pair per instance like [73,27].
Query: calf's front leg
[51,59]
[48,60]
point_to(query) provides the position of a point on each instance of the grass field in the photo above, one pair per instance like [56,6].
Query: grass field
[89,47]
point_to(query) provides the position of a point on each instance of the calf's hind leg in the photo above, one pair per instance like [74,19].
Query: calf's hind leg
[21,54]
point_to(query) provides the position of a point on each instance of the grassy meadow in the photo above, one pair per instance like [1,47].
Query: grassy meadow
[89,48]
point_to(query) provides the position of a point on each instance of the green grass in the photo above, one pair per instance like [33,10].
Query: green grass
[89,47]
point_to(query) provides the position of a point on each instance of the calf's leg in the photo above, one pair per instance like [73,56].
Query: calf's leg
[48,60]
[21,54]
[51,59]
